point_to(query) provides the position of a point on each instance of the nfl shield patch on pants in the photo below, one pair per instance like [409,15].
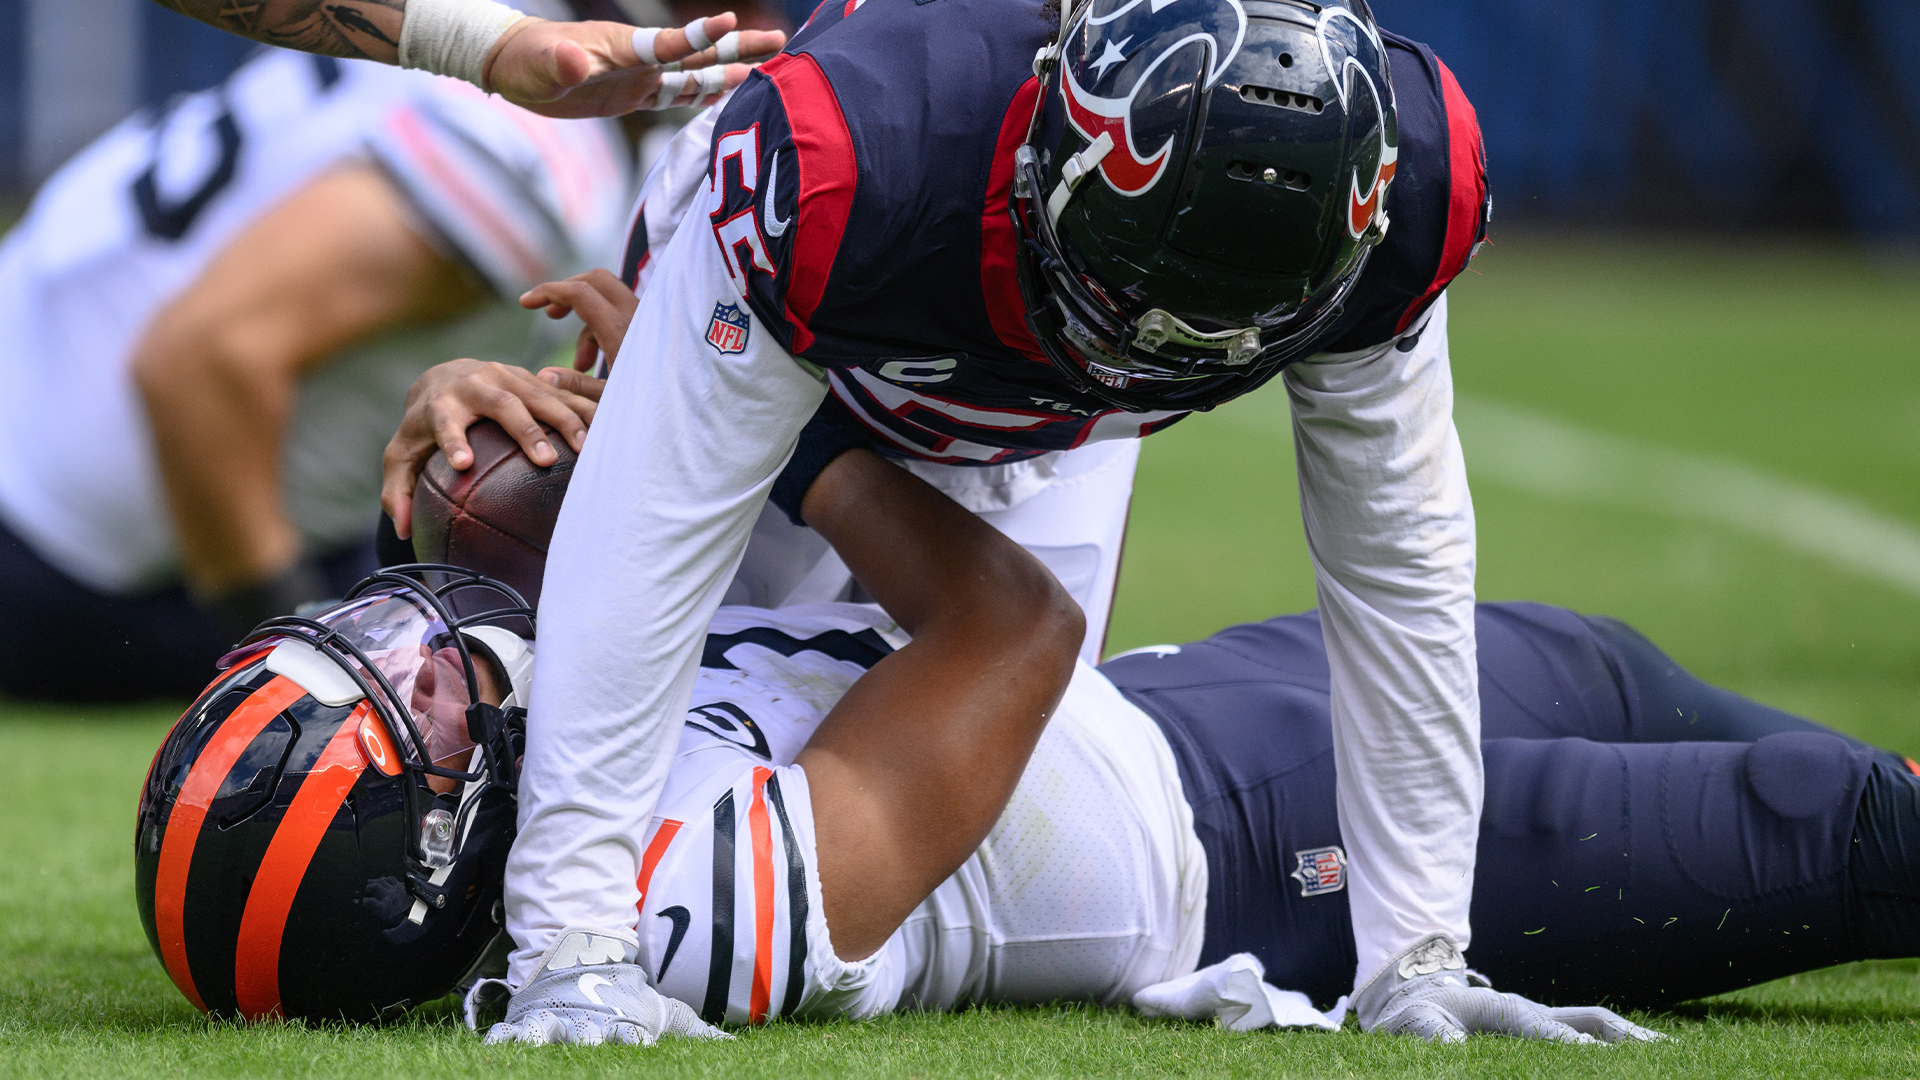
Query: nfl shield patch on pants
[1321,870]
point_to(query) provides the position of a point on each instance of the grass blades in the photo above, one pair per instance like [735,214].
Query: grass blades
[1799,362]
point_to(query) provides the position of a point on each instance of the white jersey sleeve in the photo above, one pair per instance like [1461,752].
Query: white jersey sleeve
[697,420]
[1389,523]
[520,198]
[731,920]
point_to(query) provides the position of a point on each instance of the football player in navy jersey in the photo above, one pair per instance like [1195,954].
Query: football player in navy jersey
[999,248]
[999,243]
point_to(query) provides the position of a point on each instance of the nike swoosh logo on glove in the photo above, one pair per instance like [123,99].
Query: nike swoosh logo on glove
[589,986]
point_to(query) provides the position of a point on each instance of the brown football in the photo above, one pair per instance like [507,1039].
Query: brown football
[496,517]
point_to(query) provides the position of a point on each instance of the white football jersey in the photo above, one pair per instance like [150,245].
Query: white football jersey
[1092,884]
[136,217]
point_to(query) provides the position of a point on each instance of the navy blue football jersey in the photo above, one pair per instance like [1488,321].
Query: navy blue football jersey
[865,177]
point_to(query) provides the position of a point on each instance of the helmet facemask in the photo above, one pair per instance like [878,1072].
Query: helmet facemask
[324,833]
[414,642]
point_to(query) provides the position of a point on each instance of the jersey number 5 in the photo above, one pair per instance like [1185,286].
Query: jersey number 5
[738,233]
[171,220]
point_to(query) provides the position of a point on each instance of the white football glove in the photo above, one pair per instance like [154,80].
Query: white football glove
[586,991]
[1428,991]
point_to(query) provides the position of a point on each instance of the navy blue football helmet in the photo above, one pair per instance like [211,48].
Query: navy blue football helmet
[1199,190]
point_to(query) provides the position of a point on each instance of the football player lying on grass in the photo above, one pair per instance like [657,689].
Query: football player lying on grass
[935,805]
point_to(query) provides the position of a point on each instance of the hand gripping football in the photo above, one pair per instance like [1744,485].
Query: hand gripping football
[497,516]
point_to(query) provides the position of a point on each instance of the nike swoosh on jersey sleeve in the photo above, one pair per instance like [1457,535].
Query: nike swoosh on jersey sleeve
[732,922]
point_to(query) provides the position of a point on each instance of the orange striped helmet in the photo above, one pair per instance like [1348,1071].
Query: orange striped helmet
[324,832]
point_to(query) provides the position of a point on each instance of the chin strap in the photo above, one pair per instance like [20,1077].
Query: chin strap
[514,655]
[1077,169]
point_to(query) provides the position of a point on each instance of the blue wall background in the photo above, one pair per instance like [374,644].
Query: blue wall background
[173,54]
[1714,114]
[1667,114]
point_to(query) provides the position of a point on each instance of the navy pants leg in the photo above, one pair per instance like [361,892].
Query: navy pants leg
[63,641]
[1641,873]
[1613,865]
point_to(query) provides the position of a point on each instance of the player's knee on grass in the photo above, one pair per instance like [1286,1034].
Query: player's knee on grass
[1694,867]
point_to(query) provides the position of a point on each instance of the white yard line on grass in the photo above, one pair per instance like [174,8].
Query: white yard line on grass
[1544,456]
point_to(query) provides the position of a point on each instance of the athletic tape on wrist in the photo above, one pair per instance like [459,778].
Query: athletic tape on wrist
[453,37]
[697,40]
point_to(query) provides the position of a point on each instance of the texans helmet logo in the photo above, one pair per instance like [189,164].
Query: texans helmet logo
[1104,44]
[1366,105]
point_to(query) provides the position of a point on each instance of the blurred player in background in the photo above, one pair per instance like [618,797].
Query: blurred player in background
[208,324]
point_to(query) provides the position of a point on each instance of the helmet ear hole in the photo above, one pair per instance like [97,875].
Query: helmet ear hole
[1268,174]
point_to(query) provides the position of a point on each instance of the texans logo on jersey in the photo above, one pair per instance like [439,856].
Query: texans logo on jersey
[1120,80]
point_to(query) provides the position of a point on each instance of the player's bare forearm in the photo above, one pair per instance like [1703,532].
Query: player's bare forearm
[332,264]
[917,761]
[560,69]
[352,29]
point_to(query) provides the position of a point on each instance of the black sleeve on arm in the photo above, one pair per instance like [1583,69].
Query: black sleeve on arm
[387,545]
[833,431]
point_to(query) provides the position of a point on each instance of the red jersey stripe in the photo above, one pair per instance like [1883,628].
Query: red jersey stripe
[999,246]
[256,956]
[823,152]
[1467,169]
[762,833]
[209,770]
[412,131]
[651,859]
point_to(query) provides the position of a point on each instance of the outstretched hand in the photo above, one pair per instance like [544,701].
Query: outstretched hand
[575,69]
[605,305]
[453,396]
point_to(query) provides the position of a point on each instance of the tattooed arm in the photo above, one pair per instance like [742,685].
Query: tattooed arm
[563,69]
[368,29]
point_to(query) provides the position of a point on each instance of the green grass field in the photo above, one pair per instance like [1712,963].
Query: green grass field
[1719,444]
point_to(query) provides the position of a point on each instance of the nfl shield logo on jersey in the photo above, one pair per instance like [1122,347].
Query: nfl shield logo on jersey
[1322,870]
[728,330]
